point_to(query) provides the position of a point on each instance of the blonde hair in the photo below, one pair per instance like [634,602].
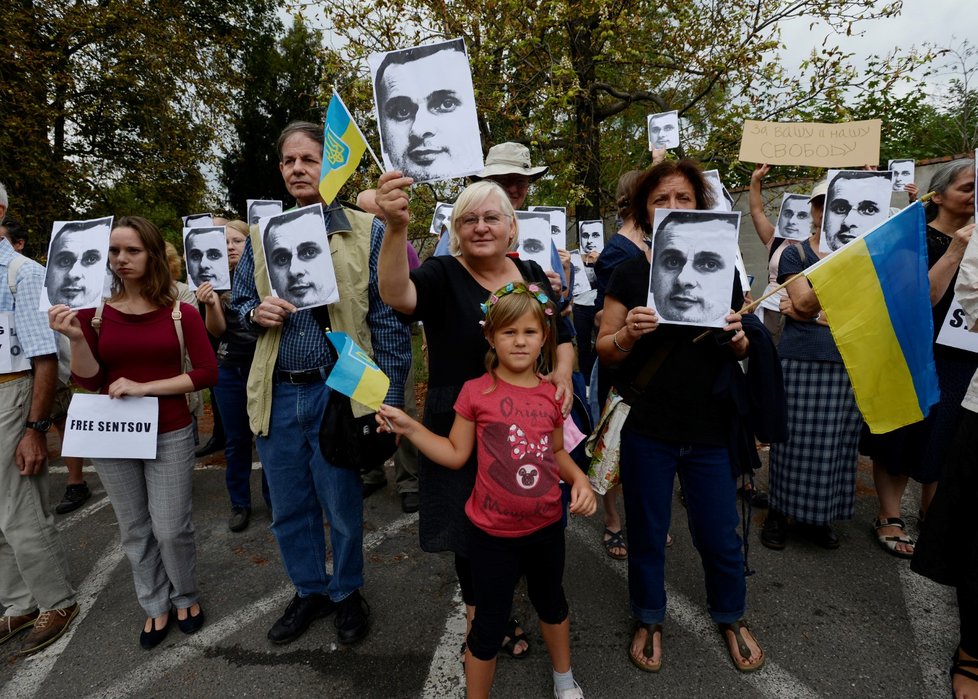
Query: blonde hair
[238,225]
[174,261]
[510,303]
[471,197]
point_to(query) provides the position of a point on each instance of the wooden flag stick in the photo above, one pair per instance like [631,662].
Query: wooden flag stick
[754,304]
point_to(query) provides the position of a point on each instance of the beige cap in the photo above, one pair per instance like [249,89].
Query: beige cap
[510,159]
[820,189]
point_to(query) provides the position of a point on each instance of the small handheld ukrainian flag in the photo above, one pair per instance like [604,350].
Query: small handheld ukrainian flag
[343,147]
[355,374]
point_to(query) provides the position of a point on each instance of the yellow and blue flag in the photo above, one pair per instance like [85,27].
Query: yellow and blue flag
[343,147]
[354,374]
[876,297]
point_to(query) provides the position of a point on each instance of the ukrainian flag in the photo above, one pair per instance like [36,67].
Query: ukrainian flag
[354,374]
[876,297]
[343,147]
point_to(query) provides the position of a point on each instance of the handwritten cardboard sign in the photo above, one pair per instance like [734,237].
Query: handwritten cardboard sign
[811,144]
[111,428]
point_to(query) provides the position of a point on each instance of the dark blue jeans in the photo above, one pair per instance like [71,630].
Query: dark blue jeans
[232,400]
[648,468]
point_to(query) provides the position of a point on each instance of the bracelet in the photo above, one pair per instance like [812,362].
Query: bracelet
[614,338]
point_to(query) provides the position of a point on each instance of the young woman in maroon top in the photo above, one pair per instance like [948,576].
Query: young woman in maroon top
[136,352]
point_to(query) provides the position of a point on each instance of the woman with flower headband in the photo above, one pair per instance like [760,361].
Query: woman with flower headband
[445,293]
[515,509]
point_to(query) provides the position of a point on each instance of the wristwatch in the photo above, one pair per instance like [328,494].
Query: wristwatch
[251,315]
[41,426]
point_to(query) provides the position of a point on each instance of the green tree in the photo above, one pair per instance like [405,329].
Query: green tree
[115,98]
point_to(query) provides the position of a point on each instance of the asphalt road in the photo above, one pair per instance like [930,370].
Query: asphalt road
[853,622]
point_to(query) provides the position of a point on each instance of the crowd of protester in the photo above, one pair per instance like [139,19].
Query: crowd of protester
[509,357]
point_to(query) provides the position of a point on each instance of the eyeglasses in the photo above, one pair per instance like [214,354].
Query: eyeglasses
[491,219]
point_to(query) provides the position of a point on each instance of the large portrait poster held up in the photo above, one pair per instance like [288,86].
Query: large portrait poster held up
[297,257]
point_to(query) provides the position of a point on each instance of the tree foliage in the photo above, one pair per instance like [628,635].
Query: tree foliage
[112,105]
[576,80]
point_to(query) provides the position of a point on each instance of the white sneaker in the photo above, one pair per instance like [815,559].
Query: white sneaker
[574,692]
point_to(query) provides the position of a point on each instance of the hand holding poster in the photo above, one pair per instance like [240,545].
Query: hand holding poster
[206,254]
[77,263]
[693,266]
[854,143]
[297,256]
[101,427]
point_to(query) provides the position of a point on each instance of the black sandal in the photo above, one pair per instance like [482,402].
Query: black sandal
[648,650]
[736,628]
[514,639]
[615,540]
[958,666]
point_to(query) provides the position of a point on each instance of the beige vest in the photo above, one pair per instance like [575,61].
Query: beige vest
[349,244]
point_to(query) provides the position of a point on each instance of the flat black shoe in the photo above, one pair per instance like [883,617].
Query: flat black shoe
[76,495]
[371,488]
[240,516]
[192,624]
[300,613]
[212,445]
[774,533]
[352,619]
[410,502]
[154,637]
[824,536]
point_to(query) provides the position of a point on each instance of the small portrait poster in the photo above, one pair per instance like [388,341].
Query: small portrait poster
[591,237]
[694,257]
[100,427]
[205,251]
[582,283]
[535,240]
[794,218]
[77,263]
[298,259]
[426,113]
[258,208]
[558,224]
[856,202]
[721,198]
[441,222]
[198,220]
[903,173]
[663,130]
[954,331]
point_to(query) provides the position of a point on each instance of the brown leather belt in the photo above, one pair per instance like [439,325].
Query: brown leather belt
[4,378]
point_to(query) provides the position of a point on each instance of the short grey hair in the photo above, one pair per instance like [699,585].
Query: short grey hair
[4,202]
[942,179]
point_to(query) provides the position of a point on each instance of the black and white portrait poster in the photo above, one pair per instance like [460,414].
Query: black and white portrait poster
[903,173]
[663,130]
[694,257]
[259,208]
[198,220]
[582,282]
[721,199]
[205,251]
[77,263]
[591,237]
[441,222]
[795,217]
[535,239]
[857,201]
[558,224]
[425,108]
[300,266]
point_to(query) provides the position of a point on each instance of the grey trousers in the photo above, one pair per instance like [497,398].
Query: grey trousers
[33,566]
[152,500]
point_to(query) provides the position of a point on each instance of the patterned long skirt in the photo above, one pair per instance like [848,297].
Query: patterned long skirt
[813,473]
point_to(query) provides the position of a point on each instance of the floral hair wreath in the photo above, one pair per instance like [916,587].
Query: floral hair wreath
[518,288]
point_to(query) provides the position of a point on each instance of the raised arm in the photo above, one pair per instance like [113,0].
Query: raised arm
[765,229]
[213,314]
[396,288]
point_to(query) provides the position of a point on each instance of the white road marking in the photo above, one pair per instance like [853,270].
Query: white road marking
[772,680]
[212,634]
[28,679]
[77,516]
[446,676]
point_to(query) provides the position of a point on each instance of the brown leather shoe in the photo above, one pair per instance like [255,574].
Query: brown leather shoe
[48,628]
[10,626]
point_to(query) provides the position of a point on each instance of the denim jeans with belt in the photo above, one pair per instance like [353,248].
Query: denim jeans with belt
[648,468]
[232,400]
[303,486]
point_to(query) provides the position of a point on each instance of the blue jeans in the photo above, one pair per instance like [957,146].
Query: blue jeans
[648,467]
[232,402]
[303,486]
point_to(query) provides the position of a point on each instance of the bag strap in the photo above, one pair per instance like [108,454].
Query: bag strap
[176,314]
[12,269]
[97,318]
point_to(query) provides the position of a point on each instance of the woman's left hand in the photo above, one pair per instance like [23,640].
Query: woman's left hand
[738,342]
[207,295]
[125,387]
